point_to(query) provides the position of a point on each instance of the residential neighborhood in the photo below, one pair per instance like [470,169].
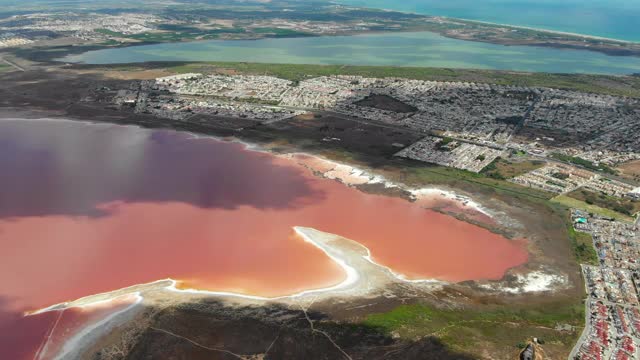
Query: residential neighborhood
[490,121]
[613,314]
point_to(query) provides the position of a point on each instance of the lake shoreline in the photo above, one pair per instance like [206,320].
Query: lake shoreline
[404,49]
[38,105]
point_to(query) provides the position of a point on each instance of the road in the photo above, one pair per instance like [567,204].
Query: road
[12,64]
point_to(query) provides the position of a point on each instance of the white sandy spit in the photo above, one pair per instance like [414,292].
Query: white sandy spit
[74,345]
[351,278]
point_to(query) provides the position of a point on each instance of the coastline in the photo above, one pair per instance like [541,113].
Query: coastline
[524,27]
[542,30]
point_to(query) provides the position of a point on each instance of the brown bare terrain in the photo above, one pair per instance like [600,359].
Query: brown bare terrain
[630,170]
[385,102]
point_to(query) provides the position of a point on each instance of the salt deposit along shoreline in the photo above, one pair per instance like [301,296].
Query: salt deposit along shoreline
[355,259]
[73,346]
[354,176]
[363,276]
[347,174]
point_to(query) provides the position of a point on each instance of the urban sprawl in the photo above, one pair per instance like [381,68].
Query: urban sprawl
[132,27]
[613,313]
[465,125]
[576,137]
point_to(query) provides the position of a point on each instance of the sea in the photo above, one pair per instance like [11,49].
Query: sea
[617,19]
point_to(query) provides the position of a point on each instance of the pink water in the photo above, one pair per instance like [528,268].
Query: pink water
[86,209]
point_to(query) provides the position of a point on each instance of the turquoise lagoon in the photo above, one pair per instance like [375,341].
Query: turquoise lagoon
[423,49]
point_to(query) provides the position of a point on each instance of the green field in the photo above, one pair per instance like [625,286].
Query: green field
[438,175]
[578,204]
[584,163]
[582,244]
[277,32]
[175,33]
[507,169]
[502,328]
[624,206]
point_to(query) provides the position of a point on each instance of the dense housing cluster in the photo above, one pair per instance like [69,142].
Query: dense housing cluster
[42,25]
[556,178]
[561,179]
[147,100]
[9,39]
[539,121]
[451,153]
[170,23]
[600,122]
[478,112]
[613,314]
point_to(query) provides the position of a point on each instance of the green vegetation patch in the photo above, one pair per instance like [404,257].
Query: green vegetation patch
[584,163]
[278,32]
[443,143]
[170,36]
[620,205]
[504,326]
[472,181]
[571,202]
[506,169]
[582,244]
[176,33]
[110,42]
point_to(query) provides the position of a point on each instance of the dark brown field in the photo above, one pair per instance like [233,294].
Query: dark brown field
[385,102]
